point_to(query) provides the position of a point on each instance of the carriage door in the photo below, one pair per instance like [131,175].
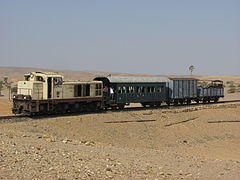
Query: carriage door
[49,84]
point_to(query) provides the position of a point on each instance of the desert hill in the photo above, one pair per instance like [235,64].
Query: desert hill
[16,73]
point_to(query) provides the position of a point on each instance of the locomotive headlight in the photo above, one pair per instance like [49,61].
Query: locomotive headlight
[25,97]
[14,96]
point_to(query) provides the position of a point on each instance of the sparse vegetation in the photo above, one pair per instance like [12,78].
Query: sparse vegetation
[232,86]
[1,87]
[229,82]
[232,89]
[14,89]
[191,68]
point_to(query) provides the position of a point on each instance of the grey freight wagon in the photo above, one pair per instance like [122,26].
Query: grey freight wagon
[212,91]
[182,90]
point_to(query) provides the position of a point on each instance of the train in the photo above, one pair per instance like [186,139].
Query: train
[48,93]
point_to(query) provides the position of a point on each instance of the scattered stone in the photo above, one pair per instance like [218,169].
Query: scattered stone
[51,168]
[49,139]
[109,174]
[227,169]
[18,160]
[221,174]
[148,113]
[66,140]
[108,169]
[25,135]
[89,143]
[39,136]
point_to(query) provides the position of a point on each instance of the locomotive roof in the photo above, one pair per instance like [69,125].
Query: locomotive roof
[46,73]
[133,79]
[81,82]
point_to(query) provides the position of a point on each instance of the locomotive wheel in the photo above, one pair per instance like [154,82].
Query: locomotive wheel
[121,106]
[216,99]
[204,101]
[209,100]
[181,102]
[144,104]
[175,102]
[114,107]
[188,101]
[158,104]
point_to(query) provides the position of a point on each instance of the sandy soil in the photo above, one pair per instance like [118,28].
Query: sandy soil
[5,104]
[197,142]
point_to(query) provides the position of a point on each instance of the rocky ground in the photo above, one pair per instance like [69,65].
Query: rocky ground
[194,142]
[190,142]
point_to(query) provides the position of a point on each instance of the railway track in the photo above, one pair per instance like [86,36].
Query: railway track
[165,106]
[13,118]
[20,118]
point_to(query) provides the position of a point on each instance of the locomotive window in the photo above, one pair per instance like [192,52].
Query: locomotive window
[87,89]
[98,91]
[77,90]
[39,78]
[57,81]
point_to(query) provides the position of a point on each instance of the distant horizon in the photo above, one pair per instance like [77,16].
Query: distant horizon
[55,70]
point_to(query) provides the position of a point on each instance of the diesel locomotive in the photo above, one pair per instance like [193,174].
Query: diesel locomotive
[48,93]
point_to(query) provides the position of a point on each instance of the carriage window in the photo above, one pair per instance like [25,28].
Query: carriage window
[123,89]
[148,89]
[137,89]
[119,90]
[142,89]
[158,89]
[127,89]
[131,89]
[152,89]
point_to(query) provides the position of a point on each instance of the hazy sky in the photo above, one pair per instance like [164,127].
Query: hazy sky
[133,36]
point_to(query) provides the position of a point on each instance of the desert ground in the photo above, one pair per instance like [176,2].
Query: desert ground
[184,142]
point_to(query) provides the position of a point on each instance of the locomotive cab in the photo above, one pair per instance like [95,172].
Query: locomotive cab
[39,85]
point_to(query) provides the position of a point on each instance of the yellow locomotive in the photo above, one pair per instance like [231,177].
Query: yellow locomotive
[46,92]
